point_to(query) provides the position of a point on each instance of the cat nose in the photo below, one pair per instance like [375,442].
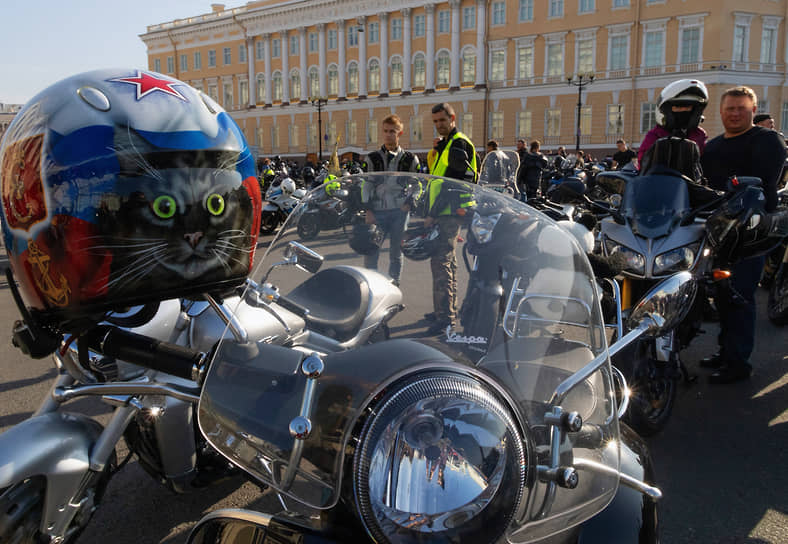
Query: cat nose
[193,238]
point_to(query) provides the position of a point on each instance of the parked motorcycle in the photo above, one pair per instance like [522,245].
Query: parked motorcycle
[280,199]
[776,276]
[499,172]
[328,210]
[506,428]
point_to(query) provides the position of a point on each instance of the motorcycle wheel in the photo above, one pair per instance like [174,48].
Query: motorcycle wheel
[653,395]
[268,223]
[777,309]
[21,506]
[308,227]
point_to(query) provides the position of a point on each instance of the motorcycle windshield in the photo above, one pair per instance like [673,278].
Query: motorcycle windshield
[499,169]
[445,417]
[654,204]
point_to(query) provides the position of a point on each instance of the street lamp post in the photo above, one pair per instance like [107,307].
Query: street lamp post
[319,103]
[579,81]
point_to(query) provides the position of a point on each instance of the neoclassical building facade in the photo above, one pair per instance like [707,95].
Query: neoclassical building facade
[298,75]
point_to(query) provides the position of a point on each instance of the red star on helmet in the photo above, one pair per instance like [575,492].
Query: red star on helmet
[147,83]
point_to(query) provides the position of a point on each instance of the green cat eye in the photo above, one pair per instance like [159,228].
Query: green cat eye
[215,204]
[164,206]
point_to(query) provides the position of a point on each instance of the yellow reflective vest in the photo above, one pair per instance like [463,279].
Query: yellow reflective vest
[439,166]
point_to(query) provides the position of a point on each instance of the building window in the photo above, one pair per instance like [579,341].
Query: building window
[655,47]
[311,135]
[444,21]
[416,134]
[314,82]
[648,117]
[259,137]
[295,85]
[333,80]
[585,56]
[331,132]
[396,73]
[769,46]
[620,3]
[170,65]
[276,82]
[499,13]
[260,89]
[690,45]
[373,32]
[197,60]
[468,18]
[523,124]
[228,96]
[351,132]
[555,8]
[443,62]
[419,26]
[184,63]
[555,59]
[243,93]
[396,29]
[276,48]
[373,76]
[331,38]
[352,78]
[275,136]
[227,55]
[212,58]
[525,13]
[242,53]
[619,46]
[352,36]
[213,92]
[763,106]
[419,71]
[497,65]
[585,120]
[259,50]
[496,125]
[586,6]
[313,42]
[468,66]
[784,117]
[525,61]
[294,135]
[157,65]
[372,131]
[466,124]
[552,124]
[293,45]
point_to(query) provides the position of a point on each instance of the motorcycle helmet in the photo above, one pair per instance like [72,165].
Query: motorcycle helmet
[288,186]
[308,173]
[366,239]
[684,92]
[735,230]
[420,243]
[121,187]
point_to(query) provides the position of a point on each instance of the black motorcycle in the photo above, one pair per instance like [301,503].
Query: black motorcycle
[329,210]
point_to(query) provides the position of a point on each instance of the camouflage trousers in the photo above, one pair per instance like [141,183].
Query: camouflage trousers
[444,270]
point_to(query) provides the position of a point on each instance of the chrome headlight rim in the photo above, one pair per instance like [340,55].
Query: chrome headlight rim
[638,266]
[491,521]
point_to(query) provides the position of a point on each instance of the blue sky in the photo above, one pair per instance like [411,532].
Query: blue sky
[44,41]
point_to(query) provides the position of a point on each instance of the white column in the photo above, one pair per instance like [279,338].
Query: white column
[430,53]
[284,50]
[321,53]
[342,60]
[481,53]
[362,58]
[250,71]
[267,57]
[384,54]
[454,82]
[303,62]
[407,59]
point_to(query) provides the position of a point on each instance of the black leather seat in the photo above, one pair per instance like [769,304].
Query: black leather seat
[337,300]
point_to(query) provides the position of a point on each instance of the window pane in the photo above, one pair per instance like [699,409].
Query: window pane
[555,59]
[525,61]
[496,125]
[556,8]
[524,124]
[648,117]
[228,55]
[242,53]
[396,73]
[690,45]
[352,79]
[585,120]
[499,13]
[585,52]
[586,6]
[314,82]
[739,41]
[419,71]
[373,78]
[526,11]
[295,85]
[497,65]
[553,123]
[444,68]
[197,60]
[212,58]
[373,31]
[618,52]
[615,119]
[331,38]
[444,21]
[654,47]
[767,45]
[468,18]
[333,81]
[467,124]
[468,66]
[260,90]
[259,49]
[419,25]
[396,29]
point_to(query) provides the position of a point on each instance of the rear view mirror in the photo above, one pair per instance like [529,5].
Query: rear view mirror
[665,305]
[611,183]
[304,257]
[231,527]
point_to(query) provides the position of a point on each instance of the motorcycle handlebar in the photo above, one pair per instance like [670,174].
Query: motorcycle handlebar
[147,352]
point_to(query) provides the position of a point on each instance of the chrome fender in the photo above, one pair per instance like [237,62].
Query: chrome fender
[56,445]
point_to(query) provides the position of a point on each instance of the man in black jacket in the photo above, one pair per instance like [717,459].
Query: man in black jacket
[529,175]
[742,150]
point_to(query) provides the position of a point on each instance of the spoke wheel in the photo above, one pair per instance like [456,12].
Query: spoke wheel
[268,223]
[653,397]
[308,227]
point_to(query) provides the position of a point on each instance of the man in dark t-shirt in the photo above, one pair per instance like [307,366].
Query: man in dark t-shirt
[623,156]
[743,150]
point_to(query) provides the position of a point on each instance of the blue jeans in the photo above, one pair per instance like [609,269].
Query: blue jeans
[393,223]
[737,312]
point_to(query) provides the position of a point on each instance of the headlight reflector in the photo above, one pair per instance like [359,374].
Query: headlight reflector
[675,260]
[636,263]
[441,458]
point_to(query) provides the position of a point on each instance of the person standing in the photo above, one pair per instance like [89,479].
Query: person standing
[521,149]
[764,120]
[623,155]
[744,149]
[387,203]
[456,158]
[529,175]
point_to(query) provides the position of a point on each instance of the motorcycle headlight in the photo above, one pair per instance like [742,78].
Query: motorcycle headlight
[675,260]
[636,263]
[441,460]
[482,226]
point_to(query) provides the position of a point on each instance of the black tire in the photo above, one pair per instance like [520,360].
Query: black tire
[778,297]
[308,227]
[268,222]
[653,395]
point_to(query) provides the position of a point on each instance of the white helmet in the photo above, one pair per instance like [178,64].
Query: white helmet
[288,186]
[684,92]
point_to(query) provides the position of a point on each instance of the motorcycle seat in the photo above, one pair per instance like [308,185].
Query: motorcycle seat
[337,301]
